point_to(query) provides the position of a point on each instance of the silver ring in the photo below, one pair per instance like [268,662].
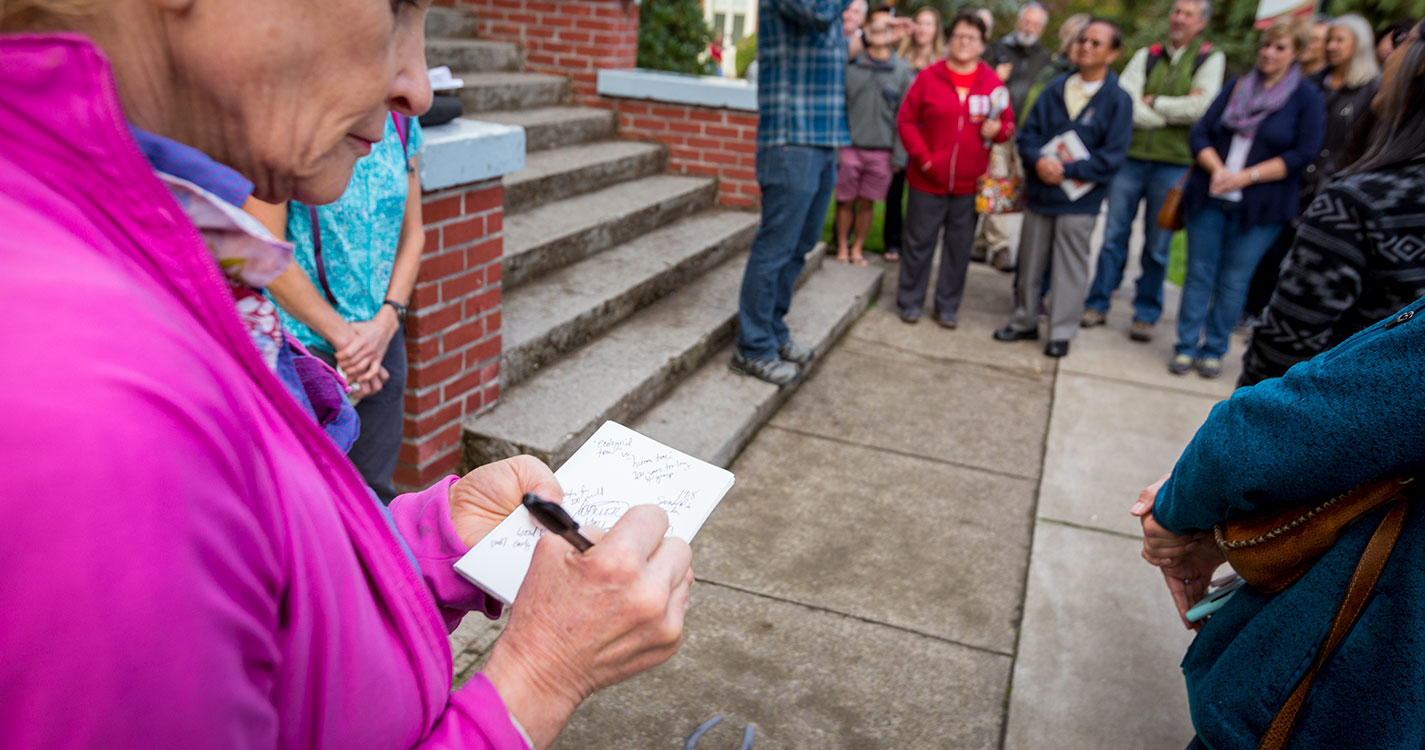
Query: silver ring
[1187,581]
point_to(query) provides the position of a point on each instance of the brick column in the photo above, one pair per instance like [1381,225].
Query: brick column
[574,38]
[453,332]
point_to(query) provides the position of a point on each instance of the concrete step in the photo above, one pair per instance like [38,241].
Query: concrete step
[564,172]
[444,22]
[473,55]
[552,127]
[489,92]
[715,412]
[567,308]
[617,376]
[563,232]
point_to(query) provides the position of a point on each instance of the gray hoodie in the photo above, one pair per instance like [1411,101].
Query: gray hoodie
[873,95]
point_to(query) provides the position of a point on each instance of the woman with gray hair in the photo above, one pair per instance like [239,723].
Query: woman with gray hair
[190,559]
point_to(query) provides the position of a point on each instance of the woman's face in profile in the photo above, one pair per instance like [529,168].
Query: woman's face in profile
[1390,70]
[292,92]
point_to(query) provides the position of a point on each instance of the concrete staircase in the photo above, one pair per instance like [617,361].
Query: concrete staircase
[620,280]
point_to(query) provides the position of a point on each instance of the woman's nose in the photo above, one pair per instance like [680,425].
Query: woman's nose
[410,91]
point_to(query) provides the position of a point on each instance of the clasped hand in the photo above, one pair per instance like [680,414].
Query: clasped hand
[1224,181]
[1187,562]
[360,352]
[1050,171]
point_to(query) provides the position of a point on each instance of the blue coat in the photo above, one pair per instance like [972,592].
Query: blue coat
[1293,132]
[1106,128]
[1352,413]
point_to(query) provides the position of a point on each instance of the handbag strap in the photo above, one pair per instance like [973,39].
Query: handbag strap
[1358,593]
[403,129]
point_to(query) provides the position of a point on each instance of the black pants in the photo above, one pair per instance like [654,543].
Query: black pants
[1264,280]
[928,217]
[382,419]
[895,218]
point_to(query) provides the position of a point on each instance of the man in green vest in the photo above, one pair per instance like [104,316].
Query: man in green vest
[1171,86]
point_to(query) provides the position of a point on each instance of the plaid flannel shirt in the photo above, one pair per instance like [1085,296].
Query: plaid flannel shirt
[801,73]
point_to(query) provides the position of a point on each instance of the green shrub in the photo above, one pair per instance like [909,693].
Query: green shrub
[672,35]
[746,53]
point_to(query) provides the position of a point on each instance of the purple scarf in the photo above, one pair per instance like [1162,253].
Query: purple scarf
[1251,103]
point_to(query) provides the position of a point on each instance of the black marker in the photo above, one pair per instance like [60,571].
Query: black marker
[553,517]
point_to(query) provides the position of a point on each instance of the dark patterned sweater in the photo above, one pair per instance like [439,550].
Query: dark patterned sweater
[1359,256]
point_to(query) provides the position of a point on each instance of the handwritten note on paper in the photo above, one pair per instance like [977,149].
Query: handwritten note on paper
[615,470]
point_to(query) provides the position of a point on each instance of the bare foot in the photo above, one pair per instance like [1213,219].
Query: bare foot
[857,260]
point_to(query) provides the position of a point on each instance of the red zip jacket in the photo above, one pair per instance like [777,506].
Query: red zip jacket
[936,127]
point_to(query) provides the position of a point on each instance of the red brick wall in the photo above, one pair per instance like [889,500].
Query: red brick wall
[574,38]
[453,332]
[719,143]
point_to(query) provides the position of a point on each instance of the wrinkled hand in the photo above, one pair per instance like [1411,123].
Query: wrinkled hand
[1187,562]
[1004,70]
[1224,181]
[361,357]
[1050,171]
[582,622]
[1149,99]
[990,128]
[480,500]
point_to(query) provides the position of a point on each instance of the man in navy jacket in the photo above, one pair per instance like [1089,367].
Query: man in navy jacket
[1088,103]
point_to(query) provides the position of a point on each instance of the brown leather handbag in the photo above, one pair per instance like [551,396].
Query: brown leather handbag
[1273,551]
[1170,216]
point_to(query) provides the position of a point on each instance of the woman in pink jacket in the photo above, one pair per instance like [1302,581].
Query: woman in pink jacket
[189,559]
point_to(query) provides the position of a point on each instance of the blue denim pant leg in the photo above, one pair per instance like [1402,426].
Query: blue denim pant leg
[1242,250]
[1157,242]
[1205,237]
[1124,195]
[796,183]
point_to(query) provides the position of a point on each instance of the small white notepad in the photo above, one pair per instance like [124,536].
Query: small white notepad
[615,470]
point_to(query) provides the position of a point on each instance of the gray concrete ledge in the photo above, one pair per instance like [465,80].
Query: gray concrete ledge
[679,88]
[464,151]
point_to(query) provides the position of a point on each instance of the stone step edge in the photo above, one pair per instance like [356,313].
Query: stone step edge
[552,253]
[743,404]
[517,363]
[516,184]
[556,455]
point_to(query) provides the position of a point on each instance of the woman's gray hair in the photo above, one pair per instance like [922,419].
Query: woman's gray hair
[1397,135]
[1362,67]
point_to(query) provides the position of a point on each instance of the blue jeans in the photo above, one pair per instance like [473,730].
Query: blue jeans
[1222,255]
[1136,181]
[796,183]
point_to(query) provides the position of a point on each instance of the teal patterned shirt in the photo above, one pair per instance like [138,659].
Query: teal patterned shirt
[360,233]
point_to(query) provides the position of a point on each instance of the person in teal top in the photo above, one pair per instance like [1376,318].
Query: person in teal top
[350,308]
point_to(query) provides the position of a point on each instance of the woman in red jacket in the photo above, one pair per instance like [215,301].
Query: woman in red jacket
[949,118]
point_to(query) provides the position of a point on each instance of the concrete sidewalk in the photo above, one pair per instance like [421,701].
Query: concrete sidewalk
[929,547]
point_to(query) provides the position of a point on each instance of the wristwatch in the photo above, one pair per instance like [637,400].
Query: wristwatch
[1255,174]
[399,308]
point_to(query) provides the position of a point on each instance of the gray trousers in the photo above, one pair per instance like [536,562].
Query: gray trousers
[927,217]
[1067,236]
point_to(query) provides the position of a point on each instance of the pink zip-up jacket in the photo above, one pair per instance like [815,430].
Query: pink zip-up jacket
[186,560]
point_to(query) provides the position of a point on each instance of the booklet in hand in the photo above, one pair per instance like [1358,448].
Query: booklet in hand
[1068,147]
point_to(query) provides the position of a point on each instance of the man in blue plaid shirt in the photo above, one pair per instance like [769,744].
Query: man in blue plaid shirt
[801,109]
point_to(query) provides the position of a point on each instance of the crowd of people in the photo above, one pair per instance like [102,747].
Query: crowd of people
[935,108]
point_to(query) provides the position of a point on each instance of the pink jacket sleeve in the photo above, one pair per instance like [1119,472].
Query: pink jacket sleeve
[422,520]
[475,715]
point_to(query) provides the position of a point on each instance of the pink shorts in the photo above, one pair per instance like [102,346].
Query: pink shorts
[863,173]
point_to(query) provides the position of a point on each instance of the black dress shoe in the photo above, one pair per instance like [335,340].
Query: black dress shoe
[910,316]
[1010,334]
[1056,348]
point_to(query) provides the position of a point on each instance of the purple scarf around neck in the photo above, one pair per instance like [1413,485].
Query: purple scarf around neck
[1251,103]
